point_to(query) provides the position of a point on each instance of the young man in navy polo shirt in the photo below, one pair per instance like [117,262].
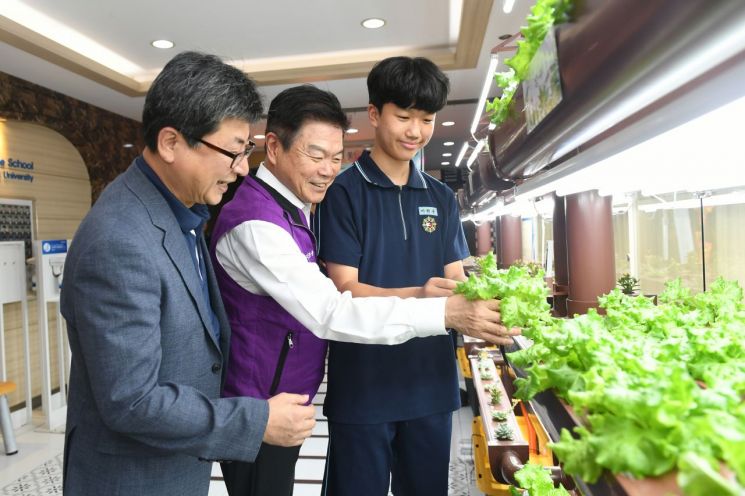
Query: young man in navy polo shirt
[386,228]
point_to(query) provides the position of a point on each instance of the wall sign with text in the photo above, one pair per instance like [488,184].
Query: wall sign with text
[16,169]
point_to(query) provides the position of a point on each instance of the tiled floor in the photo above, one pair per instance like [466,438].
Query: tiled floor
[36,469]
[37,465]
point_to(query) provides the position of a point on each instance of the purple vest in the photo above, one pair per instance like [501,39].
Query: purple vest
[270,351]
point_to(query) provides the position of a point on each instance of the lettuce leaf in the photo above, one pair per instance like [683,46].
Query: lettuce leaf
[537,481]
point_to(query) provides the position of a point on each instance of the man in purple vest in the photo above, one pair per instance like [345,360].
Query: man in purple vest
[281,308]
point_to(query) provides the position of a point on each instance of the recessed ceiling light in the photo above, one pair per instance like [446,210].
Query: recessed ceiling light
[445,163]
[449,143]
[447,154]
[259,136]
[448,123]
[373,23]
[352,130]
[162,44]
[127,145]
[507,6]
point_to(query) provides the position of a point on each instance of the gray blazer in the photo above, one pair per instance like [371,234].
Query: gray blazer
[143,407]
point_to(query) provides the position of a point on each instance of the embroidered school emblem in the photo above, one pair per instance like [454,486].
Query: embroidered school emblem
[429,224]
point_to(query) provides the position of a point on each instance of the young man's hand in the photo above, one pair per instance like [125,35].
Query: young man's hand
[437,286]
[290,420]
[479,319]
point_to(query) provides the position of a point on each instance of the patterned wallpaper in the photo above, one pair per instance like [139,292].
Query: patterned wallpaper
[98,134]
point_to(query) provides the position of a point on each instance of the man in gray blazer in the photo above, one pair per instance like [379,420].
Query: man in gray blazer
[146,325]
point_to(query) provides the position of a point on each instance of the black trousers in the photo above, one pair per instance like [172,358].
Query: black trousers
[271,474]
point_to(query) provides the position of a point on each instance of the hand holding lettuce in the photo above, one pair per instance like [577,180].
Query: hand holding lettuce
[522,293]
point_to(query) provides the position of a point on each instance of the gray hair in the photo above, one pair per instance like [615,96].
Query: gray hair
[195,93]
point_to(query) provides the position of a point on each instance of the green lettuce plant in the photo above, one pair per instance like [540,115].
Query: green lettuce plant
[499,416]
[504,432]
[661,387]
[543,16]
[536,480]
[522,293]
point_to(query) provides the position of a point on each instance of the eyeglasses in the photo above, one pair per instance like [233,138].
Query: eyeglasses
[237,157]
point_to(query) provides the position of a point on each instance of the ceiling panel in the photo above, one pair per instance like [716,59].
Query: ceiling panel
[243,30]
[240,29]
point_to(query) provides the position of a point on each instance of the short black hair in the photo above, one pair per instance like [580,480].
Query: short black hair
[293,107]
[408,83]
[195,93]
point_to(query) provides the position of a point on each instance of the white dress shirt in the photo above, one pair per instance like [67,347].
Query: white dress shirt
[264,259]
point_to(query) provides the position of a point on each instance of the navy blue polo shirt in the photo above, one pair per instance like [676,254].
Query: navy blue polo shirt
[396,236]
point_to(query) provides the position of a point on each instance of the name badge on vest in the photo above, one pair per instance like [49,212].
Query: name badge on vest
[429,223]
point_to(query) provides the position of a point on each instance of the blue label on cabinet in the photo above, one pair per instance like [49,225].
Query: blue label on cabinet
[51,246]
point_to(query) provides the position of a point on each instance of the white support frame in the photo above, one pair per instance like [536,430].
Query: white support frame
[53,405]
[19,294]
[24,415]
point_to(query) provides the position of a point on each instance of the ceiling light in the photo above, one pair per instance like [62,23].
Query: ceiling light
[373,23]
[447,154]
[48,27]
[352,130]
[484,92]
[448,123]
[462,154]
[162,44]
[445,163]
[507,6]
[449,143]
[127,145]
[474,154]
[259,136]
